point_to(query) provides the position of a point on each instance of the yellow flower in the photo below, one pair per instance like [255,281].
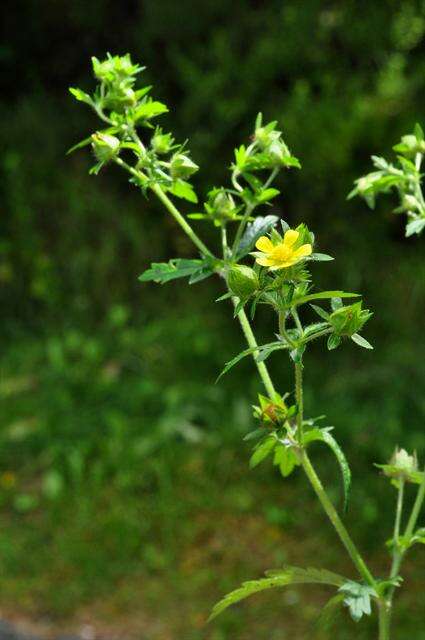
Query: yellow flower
[284,254]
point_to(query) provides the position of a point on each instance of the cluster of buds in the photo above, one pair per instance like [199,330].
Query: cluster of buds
[348,320]
[117,75]
[125,108]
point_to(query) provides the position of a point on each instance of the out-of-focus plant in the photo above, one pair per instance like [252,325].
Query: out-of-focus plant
[404,177]
[279,277]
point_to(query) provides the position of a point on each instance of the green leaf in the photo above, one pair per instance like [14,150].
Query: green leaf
[262,450]
[266,195]
[225,296]
[320,312]
[357,598]
[81,95]
[323,295]
[285,459]
[362,342]
[270,345]
[415,226]
[150,109]
[334,341]
[79,145]
[253,435]
[278,578]
[182,189]
[176,268]
[259,227]
[324,435]
[321,257]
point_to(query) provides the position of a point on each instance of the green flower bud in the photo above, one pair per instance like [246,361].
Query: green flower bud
[115,68]
[402,466]
[264,137]
[349,320]
[161,142]
[105,146]
[271,413]
[413,144]
[182,166]
[242,281]
[120,99]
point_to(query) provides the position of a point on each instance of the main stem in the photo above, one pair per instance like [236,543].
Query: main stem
[321,492]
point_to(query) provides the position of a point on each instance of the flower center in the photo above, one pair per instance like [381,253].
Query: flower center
[282,253]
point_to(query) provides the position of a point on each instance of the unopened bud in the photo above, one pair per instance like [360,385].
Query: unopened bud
[182,166]
[105,146]
[242,281]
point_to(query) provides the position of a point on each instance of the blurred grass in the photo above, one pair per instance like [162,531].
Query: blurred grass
[124,490]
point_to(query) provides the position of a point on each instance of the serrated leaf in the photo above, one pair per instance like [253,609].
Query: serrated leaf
[182,189]
[285,459]
[163,272]
[277,578]
[362,342]
[259,227]
[357,598]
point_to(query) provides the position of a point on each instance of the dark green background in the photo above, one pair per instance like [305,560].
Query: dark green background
[125,492]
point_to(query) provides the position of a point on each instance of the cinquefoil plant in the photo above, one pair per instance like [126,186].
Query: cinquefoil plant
[262,262]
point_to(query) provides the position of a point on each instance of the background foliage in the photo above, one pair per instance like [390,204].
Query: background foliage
[111,427]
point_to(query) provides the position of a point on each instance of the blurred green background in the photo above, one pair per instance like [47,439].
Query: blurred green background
[125,496]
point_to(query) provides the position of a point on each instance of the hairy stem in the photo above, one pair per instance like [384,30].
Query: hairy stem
[250,338]
[397,554]
[417,506]
[299,396]
[336,521]
[182,222]
[411,524]
[384,611]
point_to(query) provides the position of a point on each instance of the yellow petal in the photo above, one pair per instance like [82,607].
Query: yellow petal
[264,262]
[264,244]
[283,264]
[303,251]
[290,237]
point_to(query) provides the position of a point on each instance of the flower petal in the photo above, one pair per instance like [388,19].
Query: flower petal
[303,251]
[264,244]
[264,261]
[290,237]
